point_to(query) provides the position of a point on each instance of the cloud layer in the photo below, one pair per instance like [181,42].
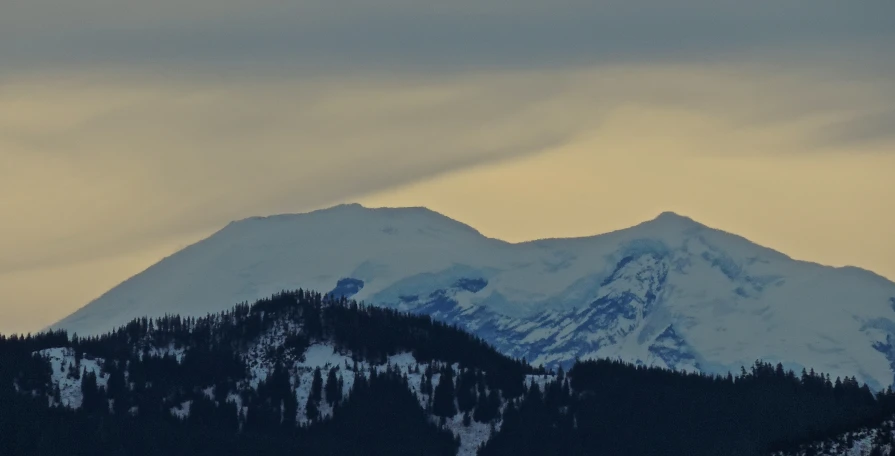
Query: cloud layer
[128,128]
[435,33]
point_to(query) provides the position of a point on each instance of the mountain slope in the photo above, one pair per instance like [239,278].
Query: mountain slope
[669,292]
[299,373]
[304,374]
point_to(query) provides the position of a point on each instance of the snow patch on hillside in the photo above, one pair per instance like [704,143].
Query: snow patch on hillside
[859,443]
[325,356]
[182,411]
[161,352]
[67,374]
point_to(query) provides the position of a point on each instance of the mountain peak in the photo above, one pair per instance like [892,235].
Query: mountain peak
[346,206]
[322,221]
[671,221]
[729,300]
[673,216]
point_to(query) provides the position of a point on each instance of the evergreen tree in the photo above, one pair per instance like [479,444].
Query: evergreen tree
[466,390]
[317,386]
[443,402]
[290,410]
[91,399]
[481,412]
[333,388]
[312,410]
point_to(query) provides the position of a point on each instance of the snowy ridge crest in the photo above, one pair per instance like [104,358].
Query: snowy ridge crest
[669,292]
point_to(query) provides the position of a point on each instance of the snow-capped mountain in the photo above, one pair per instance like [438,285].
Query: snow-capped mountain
[668,292]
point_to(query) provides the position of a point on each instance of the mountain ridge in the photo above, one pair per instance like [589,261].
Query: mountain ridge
[665,218]
[670,291]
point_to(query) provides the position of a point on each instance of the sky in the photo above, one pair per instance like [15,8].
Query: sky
[130,129]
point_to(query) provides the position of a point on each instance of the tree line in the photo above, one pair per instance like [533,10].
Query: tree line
[150,366]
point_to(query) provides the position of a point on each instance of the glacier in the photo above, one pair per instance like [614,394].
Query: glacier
[668,292]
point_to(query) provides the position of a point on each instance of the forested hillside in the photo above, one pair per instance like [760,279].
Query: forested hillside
[300,373]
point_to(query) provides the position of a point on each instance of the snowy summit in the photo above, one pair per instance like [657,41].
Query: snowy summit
[669,292]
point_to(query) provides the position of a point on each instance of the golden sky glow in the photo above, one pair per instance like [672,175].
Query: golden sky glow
[111,162]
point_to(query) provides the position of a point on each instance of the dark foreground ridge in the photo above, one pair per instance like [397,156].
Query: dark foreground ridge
[252,381]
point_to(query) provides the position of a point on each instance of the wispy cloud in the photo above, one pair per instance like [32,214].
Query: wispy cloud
[126,125]
[876,127]
[108,163]
[140,162]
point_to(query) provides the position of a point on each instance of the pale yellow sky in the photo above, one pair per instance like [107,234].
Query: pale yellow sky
[104,173]
[834,209]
